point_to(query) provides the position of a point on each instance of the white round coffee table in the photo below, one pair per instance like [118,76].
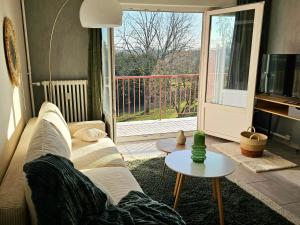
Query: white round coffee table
[215,166]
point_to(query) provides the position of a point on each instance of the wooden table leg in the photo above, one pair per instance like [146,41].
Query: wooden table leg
[164,170]
[220,203]
[214,189]
[181,180]
[176,184]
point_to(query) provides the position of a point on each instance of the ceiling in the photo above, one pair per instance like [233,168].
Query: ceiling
[182,5]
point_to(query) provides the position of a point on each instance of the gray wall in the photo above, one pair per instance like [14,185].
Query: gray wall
[70,43]
[284,37]
[14,101]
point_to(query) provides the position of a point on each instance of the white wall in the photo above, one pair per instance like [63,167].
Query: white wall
[284,36]
[14,102]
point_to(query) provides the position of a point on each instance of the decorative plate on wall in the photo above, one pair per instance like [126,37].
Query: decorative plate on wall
[11,52]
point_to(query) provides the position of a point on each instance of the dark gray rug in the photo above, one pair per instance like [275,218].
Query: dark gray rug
[196,204]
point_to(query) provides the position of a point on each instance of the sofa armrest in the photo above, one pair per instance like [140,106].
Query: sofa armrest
[73,127]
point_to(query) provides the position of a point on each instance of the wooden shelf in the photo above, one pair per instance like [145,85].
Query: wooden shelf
[283,112]
[277,105]
[293,102]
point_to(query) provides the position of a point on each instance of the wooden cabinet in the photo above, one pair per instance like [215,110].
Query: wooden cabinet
[277,105]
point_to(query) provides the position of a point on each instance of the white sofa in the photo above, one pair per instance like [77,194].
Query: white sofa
[100,161]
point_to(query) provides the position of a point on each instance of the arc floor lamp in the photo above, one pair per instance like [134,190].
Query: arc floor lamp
[93,14]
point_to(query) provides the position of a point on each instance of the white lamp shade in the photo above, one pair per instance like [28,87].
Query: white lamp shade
[100,13]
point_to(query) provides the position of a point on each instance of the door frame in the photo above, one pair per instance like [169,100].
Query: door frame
[146,8]
[109,114]
[113,86]
[254,57]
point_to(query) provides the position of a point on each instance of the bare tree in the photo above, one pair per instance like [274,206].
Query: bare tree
[225,30]
[156,34]
[151,39]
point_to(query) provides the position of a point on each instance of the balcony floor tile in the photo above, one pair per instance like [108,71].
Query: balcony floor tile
[154,127]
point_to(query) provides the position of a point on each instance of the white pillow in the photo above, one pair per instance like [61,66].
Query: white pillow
[89,134]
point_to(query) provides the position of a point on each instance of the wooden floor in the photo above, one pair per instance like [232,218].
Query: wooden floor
[278,189]
[140,130]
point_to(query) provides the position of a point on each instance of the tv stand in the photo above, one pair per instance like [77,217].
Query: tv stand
[276,105]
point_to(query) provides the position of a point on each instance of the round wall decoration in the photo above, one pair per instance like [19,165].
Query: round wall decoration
[11,52]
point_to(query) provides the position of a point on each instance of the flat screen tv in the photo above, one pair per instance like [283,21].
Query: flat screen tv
[281,75]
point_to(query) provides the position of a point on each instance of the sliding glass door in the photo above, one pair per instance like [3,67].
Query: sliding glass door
[229,67]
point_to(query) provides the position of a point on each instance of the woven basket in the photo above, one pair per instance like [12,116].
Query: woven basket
[252,144]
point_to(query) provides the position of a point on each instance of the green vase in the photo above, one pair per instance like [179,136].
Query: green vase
[199,147]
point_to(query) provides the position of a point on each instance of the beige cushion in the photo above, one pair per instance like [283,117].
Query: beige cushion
[47,139]
[117,181]
[51,113]
[13,209]
[89,134]
[73,127]
[50,107]
[103,153]
[51,135]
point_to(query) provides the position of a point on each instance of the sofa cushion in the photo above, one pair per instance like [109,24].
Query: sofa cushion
[103,153]
[89,134]
[47,139]
[116,181]
[50,107]
[52,114]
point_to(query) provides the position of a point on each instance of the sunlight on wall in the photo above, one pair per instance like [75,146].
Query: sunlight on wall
[17,105]
[11,125]
[15,113]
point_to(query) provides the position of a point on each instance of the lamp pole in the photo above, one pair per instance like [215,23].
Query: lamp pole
[50,47]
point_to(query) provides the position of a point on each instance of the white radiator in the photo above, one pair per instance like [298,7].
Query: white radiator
[71,98]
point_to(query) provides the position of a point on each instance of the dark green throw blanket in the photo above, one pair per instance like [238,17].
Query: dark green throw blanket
[63,195]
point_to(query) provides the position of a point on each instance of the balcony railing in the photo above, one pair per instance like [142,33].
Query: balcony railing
[156,96]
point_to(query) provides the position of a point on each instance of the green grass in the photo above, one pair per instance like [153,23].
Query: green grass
[152,115]
[170,113]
